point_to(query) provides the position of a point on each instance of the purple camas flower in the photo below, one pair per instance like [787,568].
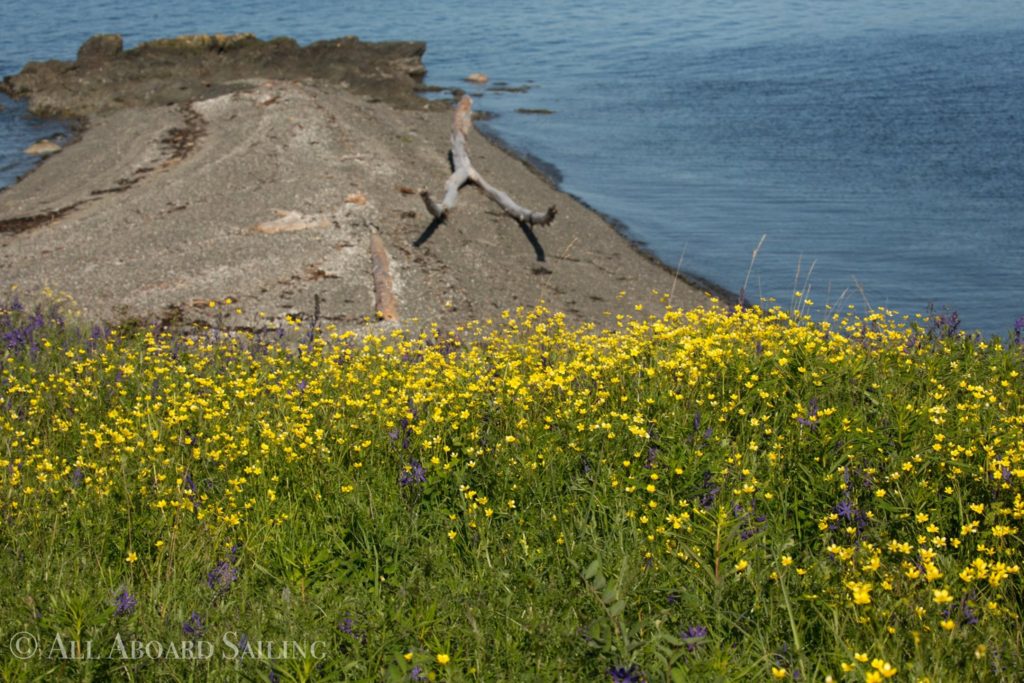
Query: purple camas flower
[194,626]
[711,491]
[348,627]
[124,604]
[694,636]
[812,415]
[417,674]
[623,675]
[221,577]
[944,325]
[413,473]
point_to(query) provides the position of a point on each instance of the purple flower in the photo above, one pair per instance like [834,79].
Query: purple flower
[711,491]
[812,414]
[124,604]
[417,674]
[1018,330]
[623,675]
[944,325]
[412,473]
[221,577]
[193,626]
[347,626]
[693,636]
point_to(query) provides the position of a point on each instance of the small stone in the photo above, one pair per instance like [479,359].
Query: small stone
[477,77]
[42,148]
[356,198]
[292,221]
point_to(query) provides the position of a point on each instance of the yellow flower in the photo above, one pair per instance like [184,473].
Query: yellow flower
[443,659]
[786,560]
[947,624]
[132,557]
[778,672]
[941,596]
[861,592]
[408,656]
[883,667]
[741,565]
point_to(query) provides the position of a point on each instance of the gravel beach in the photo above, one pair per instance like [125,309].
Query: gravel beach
[216,167]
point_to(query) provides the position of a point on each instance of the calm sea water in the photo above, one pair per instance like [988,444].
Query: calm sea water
[878,145]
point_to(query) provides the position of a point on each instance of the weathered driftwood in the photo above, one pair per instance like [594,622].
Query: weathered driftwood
[464,172]
[385,303]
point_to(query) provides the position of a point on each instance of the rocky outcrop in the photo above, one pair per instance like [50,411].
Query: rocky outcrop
[169,71]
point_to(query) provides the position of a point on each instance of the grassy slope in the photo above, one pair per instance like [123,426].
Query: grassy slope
[727,495]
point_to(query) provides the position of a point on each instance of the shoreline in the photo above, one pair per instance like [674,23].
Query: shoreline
[205,177]
[553,176]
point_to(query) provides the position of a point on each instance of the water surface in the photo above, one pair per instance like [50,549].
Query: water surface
[877,145]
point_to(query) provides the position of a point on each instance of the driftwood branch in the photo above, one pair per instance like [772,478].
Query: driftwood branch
[385,303]
[464,172]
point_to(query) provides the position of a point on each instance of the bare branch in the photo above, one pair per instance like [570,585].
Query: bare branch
[385,304]
[464,172]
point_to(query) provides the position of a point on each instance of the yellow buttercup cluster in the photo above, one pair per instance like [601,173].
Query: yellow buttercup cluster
[873,469]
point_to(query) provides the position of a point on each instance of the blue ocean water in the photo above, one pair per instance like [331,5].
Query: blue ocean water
[877,146]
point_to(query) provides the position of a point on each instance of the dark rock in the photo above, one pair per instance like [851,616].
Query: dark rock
[179,70]
[100,48]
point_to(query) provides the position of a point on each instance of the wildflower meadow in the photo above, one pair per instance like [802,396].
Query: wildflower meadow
[716,494]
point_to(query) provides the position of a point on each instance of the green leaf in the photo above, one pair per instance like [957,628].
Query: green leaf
[592,569]
[599,582]
[618,608]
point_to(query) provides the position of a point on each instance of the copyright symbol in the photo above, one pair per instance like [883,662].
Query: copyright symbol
[24,645]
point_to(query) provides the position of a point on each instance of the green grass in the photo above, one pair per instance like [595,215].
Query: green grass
[708,495]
